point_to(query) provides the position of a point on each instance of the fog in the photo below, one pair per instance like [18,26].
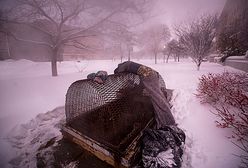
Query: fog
[173,12]
[108,25]
[170,12]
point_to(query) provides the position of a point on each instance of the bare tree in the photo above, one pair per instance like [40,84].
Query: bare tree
[173,48]
[154,38]
[125,40]
[68,22]
[197,37]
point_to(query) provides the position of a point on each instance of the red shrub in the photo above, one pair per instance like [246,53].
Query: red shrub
[228,94]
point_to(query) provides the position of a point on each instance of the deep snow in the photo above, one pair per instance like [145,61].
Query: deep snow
[27,90]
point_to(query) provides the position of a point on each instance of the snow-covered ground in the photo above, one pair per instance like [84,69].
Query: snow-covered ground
[31,109]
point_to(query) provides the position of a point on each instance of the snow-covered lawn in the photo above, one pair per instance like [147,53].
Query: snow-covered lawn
[27,90]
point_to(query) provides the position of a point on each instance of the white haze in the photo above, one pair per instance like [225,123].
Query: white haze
[176,11]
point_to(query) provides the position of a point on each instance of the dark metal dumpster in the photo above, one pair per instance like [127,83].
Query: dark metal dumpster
[108,119]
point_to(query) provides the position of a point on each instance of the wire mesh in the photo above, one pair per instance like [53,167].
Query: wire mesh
[112,113]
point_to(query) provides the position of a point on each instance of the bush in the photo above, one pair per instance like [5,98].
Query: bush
[228,94]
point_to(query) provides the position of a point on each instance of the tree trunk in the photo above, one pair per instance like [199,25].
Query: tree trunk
[54,62]
[198,66]
[121,53]
[155,56]
[167,60]
[8,46]
[178,58]
[121,56]
[129,54]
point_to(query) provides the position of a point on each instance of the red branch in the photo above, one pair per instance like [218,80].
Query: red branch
[228,94]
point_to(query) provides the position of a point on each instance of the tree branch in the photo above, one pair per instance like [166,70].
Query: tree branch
[29,41]
[75,34]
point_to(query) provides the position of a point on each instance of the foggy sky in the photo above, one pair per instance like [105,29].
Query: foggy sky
[176,11]
[172,12]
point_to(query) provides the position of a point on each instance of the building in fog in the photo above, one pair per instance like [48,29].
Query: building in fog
[12,48]
[232,32]
[15,49]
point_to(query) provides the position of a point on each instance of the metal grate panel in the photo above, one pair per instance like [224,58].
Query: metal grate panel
[85,95]
[112,113]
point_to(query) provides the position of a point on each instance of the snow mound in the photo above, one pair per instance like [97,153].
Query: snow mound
[41,132]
